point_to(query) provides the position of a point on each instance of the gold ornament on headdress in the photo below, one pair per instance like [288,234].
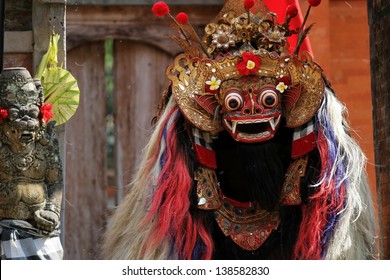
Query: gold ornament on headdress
[238,28]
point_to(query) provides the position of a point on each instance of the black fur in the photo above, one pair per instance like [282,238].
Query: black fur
[252,172]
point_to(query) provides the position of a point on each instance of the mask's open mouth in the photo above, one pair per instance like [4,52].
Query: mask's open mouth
[252,130]
[26,136]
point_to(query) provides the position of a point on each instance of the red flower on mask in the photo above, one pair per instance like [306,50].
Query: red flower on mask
[249,65]
[46,112]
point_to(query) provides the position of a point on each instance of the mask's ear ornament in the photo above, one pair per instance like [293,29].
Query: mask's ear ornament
[193,85]
[303,97]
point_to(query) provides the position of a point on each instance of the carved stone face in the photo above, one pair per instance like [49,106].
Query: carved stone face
[23,125]
[251,109]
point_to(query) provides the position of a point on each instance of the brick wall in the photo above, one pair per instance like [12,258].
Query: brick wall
[379,20]
[340,42]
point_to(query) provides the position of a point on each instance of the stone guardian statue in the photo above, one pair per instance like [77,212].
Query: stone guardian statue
[31,181]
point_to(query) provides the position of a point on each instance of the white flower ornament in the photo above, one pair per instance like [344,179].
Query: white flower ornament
[213,83]
[281,87]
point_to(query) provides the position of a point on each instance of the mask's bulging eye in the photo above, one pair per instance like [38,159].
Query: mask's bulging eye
[233,101]
[269,98]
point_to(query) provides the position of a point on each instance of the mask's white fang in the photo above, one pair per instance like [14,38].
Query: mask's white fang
[234,124]
[272,123]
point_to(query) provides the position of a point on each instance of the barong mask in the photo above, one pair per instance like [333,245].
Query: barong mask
[241,77]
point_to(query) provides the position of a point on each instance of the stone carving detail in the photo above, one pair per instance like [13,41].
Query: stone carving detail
[30,168]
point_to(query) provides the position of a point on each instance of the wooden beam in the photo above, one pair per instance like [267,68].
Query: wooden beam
[18,42]
[48,17]
[18,16]
[87,23]
[142,2]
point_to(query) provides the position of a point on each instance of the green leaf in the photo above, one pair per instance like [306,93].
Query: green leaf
[61,89]
[59,86]
[50,57]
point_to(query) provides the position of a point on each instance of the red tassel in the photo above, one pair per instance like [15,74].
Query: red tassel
[160,9]
[182,18]
[171,204]
[315,214]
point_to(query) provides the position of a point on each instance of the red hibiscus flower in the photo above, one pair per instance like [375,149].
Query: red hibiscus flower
[46,112]
[249,65]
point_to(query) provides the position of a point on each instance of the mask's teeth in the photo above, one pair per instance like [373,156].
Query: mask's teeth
[278,120]
[234,126]
[272,123]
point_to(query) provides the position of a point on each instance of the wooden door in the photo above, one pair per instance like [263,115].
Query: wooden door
[139,80]
[85,172]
